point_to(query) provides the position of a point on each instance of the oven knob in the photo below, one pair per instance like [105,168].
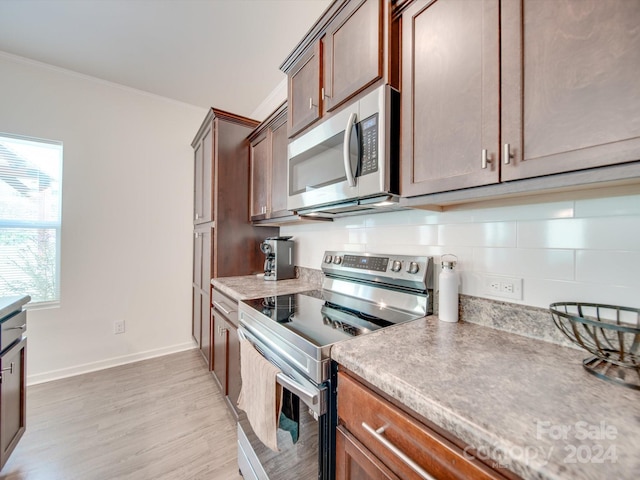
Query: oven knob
[328,259]
[413,267]
[396,266]
[337,260]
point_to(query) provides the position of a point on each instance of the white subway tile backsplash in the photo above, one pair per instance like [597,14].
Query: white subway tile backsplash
[536,263]
[593,257]
[609,268]
[525,212]
[608,207]
[541,293]
[491,234]
[599,233]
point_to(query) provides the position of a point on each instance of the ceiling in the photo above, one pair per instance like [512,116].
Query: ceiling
[222,53]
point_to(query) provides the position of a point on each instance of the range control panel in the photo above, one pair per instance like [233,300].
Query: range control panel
[379,268]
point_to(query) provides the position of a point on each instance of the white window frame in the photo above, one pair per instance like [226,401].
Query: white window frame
[41,224]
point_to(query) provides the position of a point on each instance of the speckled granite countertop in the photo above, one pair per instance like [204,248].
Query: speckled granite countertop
[11,304]
[251,286]
[526,404]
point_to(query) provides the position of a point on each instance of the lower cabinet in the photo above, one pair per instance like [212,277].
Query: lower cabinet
[12,398]
[375,439]
[226,347]
[355,462]
[219,350]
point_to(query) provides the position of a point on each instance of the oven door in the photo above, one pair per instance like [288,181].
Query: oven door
[307,456]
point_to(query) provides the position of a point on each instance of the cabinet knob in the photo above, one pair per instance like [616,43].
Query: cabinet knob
[507,154]
[485,158]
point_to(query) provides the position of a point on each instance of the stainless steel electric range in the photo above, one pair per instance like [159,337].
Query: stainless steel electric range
[361,293]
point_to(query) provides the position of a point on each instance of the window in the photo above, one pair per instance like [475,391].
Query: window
[30,217]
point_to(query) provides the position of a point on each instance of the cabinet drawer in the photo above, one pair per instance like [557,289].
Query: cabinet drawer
[227,307]
[382,428]
[12,329]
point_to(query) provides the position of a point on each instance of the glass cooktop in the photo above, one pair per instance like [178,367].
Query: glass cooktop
[315,316]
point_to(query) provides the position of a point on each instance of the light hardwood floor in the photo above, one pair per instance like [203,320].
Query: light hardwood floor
[159,419]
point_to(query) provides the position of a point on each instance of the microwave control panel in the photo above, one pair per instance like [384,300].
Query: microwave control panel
[369,145]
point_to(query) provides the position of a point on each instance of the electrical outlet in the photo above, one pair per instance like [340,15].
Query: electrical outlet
[118,327]
[505,287]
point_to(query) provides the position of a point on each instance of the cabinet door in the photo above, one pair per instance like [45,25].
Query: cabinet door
[390,434]
[570,87]
[353,52]
[207,249]
[12,399]
[260,157]
[355,462]
[196,319]
[207,175]
[304,90]
[197,259]
[279,167]
[450,95]
[234,381]
[203,178]
[205,334]
[198,165]
[219,336]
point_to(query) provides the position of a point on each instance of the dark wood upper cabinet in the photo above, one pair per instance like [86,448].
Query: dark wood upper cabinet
[269,167]
[203,178]
[304,90]
[352,51]
[498,91]
[260,154]
[570,86]
[345,52]
[450,95]
[279,188]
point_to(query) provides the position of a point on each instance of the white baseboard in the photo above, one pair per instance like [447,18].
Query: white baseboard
[102,364]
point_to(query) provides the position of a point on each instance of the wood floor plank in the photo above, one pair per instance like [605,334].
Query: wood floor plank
[159,419]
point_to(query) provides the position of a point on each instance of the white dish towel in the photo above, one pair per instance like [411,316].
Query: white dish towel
[261,395]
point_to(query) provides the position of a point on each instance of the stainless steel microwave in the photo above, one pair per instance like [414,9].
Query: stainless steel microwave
[349,163]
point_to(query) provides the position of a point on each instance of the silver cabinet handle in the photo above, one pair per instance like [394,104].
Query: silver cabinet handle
[197,216]
[219,306]
[9,369]
[21,327]
[485,158]
[396,451]
[507,154]
[345,149]
[197,234]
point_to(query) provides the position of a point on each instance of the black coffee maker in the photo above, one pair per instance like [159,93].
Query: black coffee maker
[278,264]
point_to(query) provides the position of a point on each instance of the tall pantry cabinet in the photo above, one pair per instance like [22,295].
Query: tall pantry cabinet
[225,242]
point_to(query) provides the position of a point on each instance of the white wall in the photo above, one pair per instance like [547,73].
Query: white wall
[564,249]
[126,216]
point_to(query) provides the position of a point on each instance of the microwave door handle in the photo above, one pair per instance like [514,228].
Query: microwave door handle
[346,150]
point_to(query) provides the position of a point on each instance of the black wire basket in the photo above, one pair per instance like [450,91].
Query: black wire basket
[610,333]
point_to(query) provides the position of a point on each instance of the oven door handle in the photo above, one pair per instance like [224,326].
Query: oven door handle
[311,398]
